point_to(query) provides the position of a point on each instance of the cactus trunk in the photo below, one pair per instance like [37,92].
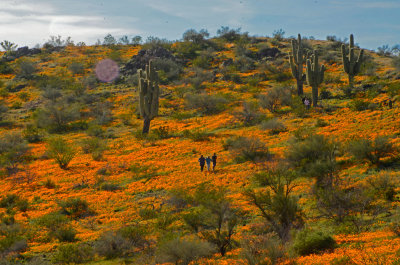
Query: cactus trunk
[296,60]
[315,76]
[146,125]
[148,95]
[351,65]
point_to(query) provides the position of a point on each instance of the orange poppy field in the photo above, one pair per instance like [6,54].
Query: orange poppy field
[127,197]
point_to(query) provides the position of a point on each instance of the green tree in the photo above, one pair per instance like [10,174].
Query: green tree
[13,150]
[276,203]
[60,151]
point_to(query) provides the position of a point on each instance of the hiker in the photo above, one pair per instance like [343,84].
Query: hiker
[208,161]
[202,161]
[307,103]
[214,160]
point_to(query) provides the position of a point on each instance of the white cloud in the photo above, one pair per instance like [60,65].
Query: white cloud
[27,24]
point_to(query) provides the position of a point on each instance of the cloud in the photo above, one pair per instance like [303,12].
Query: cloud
[27,24]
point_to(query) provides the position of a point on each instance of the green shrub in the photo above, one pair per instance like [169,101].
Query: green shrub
[205,104]
[275,98]
[12,243]
[277,205]
[183,251]
[75,207]
[76,68]
[308,242]
[197,135]
[73,253]
[109,186]
[32,134]
[56,116]
[360,105]
[262,250]
[9,201]
[382,187]
[119,243]
[249,115]
[60,151]
[273,125]
[13,150]
[314,156]
[65,234]
[247,149]
[94,146]
[372,151]
[163,132]
[26,68]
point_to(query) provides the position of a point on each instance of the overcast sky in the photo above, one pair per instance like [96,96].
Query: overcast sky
[29,22]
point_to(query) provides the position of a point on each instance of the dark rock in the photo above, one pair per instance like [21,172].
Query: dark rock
[140,60]
[23,51]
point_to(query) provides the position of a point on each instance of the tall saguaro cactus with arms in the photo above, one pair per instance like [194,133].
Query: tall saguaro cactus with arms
[315,75]
[350,63]
[148,95]
[297,58]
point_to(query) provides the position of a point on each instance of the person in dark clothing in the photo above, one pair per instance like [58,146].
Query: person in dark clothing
[214,160]
[202,162]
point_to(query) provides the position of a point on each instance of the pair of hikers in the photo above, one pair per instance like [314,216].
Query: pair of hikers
[207,160]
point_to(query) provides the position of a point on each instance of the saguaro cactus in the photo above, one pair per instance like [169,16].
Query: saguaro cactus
[148,95]
[350,64]
[315,75]
[296,59]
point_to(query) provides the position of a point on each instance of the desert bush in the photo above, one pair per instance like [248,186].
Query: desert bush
[94,146]
[76,68]
[26,68]
[382,187]
[61,151]
[73,253]
[314,156]
[12,243]
[204,60]
[343,206]
[163,132]
[247,149]
[32,134]
[56,116]
[9,201]
[197,135]
[122,242]
[109,186]
[372,150]
[205,104]
[13,150]
[308,242]
[277,205]
[396,62]
[395,222]
[260,250]
[3,111]
[360,105]
[168,70]
[273,125]
[221,219]
[65,234]
[275,98]
[53,222]
[249,115]
[227,34]
[102,112]
[197,77]
[75,207]
[5,68]
[183,251]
